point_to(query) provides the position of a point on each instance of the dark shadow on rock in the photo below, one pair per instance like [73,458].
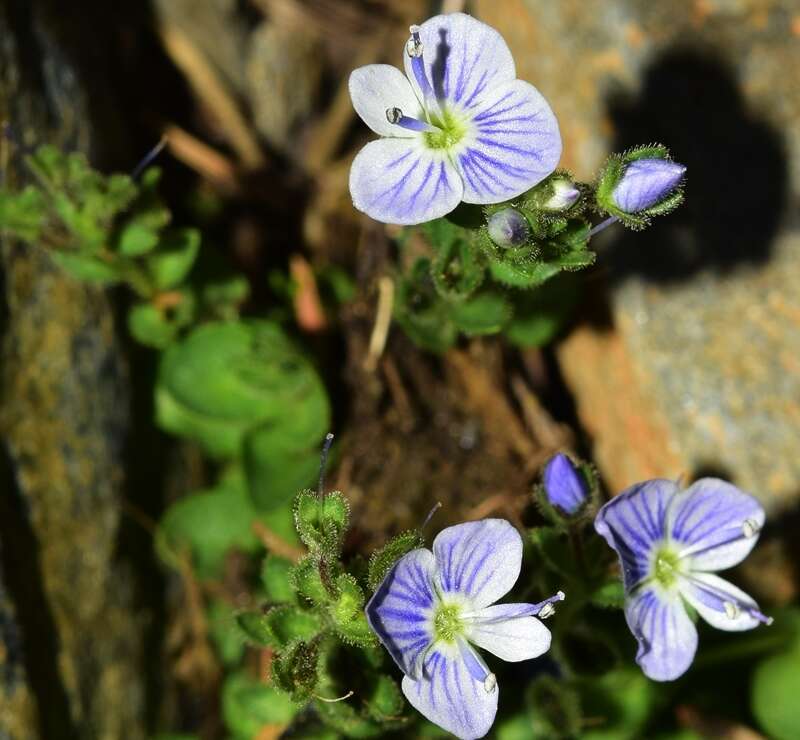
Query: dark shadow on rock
[737,176]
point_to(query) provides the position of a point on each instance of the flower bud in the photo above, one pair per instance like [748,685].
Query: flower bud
[646,182]
[564,196]
[564,486]
[508,228]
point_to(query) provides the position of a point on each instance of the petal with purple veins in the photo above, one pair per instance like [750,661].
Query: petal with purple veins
[463,58]
[400,181]
[448,695]
[400,610]
[480,560]
[376,88]
[716,524]
[508,633]
[666,636]
[513,145]
[720,603]
[632,522]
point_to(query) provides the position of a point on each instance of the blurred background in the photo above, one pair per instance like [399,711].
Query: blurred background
[683,357]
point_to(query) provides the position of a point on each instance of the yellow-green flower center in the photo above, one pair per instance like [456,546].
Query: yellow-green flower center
[452,131]
[447,624]
[666,566]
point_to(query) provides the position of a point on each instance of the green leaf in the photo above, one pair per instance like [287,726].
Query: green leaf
[485,313]
[776,682]
[224,633]
[23,214]
[275,469]
[89,269]
[382,560]
[173,260]
[555,708]
[322,523]
[385,702]
[523,274]
[624,700]
[553,547]
[457,270]
[208,524]
[149,326]
[249,706]
[227,378]
[136,239]
[540,314]
[275,578]
[255,628]
[347,613]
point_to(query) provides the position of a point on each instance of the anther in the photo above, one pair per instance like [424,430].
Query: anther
[490,683]
[393,115]
[732,610]
[548,610]
[749,528]
[414,46]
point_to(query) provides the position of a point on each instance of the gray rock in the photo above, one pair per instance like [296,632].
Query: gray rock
[694,369]
[70,644]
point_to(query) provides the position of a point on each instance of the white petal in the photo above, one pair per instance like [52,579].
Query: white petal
[716,523]
[400,181]
[480,560]
[375,88]
[450,697]
[513,145]
[720,603]
[401,609]
[666,636]
[463,57]
[512,639]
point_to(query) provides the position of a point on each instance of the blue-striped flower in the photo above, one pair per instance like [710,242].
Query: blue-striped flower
[457,126]
[431,609]
[670,543]
[564,486]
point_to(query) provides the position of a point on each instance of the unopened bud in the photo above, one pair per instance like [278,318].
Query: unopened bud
[645,183]
[508,228]
[564,486]
[565,194]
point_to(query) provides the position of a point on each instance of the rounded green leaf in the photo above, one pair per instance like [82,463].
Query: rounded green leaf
[249,706]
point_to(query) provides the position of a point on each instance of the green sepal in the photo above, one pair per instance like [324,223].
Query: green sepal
[255,628]
[276,579]
[321,522]
[347,613]
[555,708]
[537,197]
[295,669]
[612,173]
[382,560]
[306,580]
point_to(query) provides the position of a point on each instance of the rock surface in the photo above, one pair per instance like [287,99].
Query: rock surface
[70,647]
[694,369]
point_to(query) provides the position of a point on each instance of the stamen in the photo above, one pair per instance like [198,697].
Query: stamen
[548,608]
[732,611]
[755,614]
[415,50]
[490,683]
[397,117]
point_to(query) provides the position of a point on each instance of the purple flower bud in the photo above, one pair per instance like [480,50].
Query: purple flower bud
[645,182]
[508,228]
[564,195]
[564,486]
